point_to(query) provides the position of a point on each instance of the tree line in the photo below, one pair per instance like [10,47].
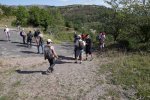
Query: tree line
[126,22]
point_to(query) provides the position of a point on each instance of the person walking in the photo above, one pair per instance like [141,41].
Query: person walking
[23,35]
[79,50]
[36,34]
[50,55]
[29,39]
[7,33]
[88,47]
[40,43]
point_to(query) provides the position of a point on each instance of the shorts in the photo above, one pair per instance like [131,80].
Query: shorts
[88,50]
[79,53]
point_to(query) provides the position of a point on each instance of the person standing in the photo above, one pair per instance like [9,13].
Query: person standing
[29,39]
[88,47]
[7,33]
[50,54]
[75,47]
[79,49]
[102,40]
[101,37]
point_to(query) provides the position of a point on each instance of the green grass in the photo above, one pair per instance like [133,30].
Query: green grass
[62,36]
[131,72]
[7,21]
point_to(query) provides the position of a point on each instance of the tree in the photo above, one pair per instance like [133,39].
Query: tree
[34,16]
[22,15]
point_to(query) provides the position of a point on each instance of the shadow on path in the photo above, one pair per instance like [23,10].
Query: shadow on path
[29,72]
[66,58]
[3,40]
[17,42]
[22,45]
[28,52]
[61,62]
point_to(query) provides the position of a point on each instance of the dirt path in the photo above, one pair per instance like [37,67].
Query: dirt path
[21,75]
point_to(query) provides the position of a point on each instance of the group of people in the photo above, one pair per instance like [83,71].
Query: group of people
[82,43]
[48,50]
[28,37]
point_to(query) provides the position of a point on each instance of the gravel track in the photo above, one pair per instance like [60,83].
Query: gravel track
[22,79]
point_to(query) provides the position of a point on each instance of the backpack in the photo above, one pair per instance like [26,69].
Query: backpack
[48,53]
[21,33]
[81,45]
[30,36]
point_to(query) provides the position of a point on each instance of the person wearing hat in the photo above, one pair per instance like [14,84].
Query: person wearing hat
[80,44]
[50,54]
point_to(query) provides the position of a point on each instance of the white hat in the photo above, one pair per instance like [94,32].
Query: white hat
[49,40]
[41,35]
[79,36]
[23,29]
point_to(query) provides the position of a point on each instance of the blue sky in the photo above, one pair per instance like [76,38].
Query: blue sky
[52,2]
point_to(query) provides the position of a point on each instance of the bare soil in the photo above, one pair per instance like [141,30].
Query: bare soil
[22,78]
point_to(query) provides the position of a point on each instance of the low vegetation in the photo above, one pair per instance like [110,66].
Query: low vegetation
[131,72]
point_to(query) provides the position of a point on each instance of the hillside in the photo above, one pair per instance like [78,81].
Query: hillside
[84,15]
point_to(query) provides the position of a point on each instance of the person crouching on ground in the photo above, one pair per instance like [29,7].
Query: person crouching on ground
[79,50]
[50,54]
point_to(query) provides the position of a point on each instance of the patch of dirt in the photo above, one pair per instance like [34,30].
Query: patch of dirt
[22,79]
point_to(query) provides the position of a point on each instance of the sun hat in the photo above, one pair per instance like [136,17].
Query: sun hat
[41,35]
[49,40]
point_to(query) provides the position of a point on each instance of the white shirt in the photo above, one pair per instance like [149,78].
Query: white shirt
[6,30]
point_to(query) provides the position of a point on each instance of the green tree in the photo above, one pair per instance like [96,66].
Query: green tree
[22,15]
[34,16]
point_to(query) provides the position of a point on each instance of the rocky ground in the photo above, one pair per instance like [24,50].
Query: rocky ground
[22,78]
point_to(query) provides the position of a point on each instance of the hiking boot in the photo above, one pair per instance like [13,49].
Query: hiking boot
[80,62]
[46,73]
[91,59]
[52,69]
[75,62]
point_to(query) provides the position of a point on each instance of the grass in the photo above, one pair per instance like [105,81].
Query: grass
[60,37]
[10,96]
[132,72]
[6,21]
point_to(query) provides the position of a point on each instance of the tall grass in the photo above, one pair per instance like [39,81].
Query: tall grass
[132,72]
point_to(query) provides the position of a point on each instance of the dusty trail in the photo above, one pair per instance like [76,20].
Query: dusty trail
[21,75]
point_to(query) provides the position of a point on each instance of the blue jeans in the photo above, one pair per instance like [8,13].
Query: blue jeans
[42,48]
